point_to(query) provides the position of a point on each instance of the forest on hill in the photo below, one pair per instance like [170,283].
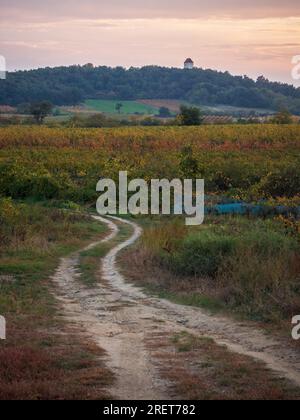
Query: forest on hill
[74,84]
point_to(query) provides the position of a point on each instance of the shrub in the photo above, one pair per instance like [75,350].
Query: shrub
[33,227]
[262,276]
[282,183]
[201,254]
[251,266]
[263,287]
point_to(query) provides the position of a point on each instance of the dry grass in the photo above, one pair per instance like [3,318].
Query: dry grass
[51,366]
[250,267]
[261,284]
[42,357]
[159,280]
[172,104]
[199,369]
[165,238]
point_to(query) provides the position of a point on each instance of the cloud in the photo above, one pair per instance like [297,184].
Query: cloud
[136,9]
[42,45]
[237,35]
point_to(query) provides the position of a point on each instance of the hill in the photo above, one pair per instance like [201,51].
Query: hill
[75,84]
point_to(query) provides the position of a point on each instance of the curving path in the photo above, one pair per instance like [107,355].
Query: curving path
[120,318]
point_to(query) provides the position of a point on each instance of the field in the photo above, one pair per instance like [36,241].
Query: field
[132,110]
[174,106]
[245,162]
[253,164]
[244,267]
[151,107]
[129,107]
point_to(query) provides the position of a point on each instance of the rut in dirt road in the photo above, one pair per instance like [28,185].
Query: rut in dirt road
[120,318]
[114,322]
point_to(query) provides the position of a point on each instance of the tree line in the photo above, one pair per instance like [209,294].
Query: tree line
[72,85]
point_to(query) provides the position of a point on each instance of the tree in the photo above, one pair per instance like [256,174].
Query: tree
[119,106]
[190,115]
[40,110]
[164,112]
[283,117]
[73,85]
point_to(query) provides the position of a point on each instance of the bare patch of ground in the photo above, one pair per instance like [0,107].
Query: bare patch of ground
[172,104]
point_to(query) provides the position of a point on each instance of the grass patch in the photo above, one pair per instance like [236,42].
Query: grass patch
[129,107]
[188,299]
[34,358]
[247,266]
[89,264]
[90,260]
[204,370]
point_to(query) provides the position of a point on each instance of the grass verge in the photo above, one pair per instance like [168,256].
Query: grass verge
[43,357]
[200,369]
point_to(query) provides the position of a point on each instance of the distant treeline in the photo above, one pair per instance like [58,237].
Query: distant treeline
[72,85]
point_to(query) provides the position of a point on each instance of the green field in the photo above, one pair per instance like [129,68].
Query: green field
[129,107]
[134,107]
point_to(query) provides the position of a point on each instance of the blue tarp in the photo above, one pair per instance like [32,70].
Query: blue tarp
[251,209]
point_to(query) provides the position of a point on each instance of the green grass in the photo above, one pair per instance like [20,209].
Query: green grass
[129,107]
[132,107]
[89,262]
[28,293]
[34,237]
[212,305]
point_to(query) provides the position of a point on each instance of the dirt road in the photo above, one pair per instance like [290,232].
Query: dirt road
[120,318]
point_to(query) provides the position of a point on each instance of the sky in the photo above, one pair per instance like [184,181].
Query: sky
[244,37]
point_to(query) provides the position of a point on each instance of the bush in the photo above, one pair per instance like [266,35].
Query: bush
[18,181]
[251,266]
[283,183]
[262,276]
[190,116]
[33,227]
[265,288]
[201,254]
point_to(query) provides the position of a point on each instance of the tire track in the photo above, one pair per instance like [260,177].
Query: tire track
[120,317]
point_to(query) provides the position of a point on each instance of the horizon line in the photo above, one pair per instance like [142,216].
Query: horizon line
[95,66]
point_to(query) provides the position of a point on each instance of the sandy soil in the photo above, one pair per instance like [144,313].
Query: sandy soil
[120,318]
